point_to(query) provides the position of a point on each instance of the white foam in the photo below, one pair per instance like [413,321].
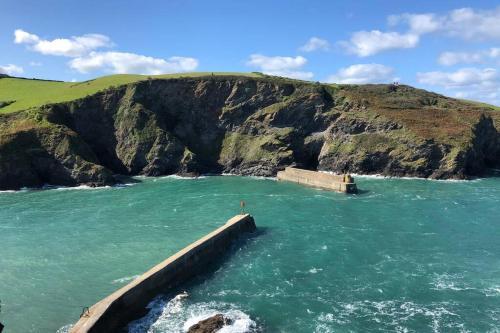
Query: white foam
[493,291]
[183,177]
[178,314]
[449,282]
[9,191]
[226,174]
[394,313]
[65,328]
[125,279]
[68,188]
[379,176]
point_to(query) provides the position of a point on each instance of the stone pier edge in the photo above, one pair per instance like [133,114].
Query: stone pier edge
[118,309]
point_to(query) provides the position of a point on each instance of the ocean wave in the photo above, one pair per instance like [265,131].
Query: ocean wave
[379,176]
[125,279]
[251,177]
[178,314]
[183,177]
[391,315]
[68,188]
[450,282]
[65,328]
[492,291]
[9,191]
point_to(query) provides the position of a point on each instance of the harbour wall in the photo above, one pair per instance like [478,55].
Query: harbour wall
[114,312]
[340,183]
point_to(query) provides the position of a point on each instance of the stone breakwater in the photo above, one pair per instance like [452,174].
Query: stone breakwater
[115,311]
[339,183]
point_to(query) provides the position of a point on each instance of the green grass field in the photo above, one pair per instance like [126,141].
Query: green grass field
[486,105]
[28,93]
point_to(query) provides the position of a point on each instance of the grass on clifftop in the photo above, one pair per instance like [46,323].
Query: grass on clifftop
[20,94]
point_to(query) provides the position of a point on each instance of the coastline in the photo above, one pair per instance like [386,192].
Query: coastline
[204,176]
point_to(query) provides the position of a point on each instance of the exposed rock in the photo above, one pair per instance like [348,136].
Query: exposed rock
[210,325]
[246,126]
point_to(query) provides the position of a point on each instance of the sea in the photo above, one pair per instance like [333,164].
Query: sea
[402,255]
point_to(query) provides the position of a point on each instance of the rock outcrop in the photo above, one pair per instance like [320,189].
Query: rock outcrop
[246,126]
[210,325]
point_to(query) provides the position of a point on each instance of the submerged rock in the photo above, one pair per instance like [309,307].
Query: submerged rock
[210,325]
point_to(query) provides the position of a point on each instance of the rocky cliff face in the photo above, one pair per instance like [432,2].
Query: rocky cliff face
[246,126]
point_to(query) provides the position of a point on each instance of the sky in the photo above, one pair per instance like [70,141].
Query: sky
[451,47]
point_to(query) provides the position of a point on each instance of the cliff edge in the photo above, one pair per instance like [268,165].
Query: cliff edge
[246,126]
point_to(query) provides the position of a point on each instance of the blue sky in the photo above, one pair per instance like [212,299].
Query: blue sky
[452,47]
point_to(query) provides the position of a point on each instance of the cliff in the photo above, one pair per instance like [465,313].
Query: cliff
[248,126]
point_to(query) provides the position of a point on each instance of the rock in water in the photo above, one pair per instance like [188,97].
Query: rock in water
[210,325]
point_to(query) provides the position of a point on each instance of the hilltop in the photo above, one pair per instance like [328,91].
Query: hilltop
[31,93]
[64,133]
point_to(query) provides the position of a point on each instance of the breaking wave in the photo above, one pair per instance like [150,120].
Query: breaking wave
[396,316]
[178,314]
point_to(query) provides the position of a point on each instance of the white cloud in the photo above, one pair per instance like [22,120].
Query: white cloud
[473,83]
[23,37]
[122,62]
[314,44]
[461,78]
[87,59]
[363,73]
[73,47]
[367,43]
[280,66]
[35,63]
[11,69]
[470,24]
[418,23]
[465,23]
[453,58]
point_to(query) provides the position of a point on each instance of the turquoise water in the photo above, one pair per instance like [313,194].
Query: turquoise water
[406,255]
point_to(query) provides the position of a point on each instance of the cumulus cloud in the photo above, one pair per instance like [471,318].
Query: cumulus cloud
[367,43]
[122,62]
[453,58]
[87,57]
[11,69]
[418,23]
[315,44]
[23,37]
[474,83]
[363,73]
[69,47]
[460,78]
[465,23]
[280,66]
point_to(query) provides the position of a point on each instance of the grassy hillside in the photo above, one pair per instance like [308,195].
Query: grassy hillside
[248,124]
[20,94]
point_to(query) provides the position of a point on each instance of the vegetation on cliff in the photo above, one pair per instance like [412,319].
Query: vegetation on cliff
[65,133]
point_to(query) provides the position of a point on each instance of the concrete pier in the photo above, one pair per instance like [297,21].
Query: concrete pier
[128,303]
[339,183]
